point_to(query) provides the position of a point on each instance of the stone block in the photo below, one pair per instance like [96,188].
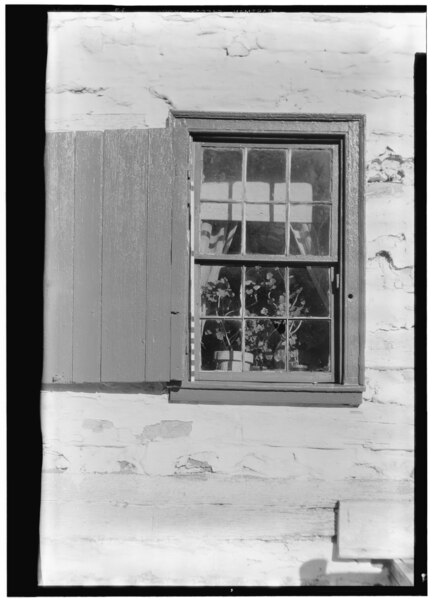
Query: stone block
[392,349]
[390,387]
[389,464]
[390,218]
[202,562]
[160,458]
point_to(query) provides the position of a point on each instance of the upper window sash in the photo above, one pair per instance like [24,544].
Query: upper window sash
[288,191]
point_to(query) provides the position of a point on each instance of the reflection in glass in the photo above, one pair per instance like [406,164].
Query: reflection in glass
[222,174]
[220,211]
[310,176]
[265,229]
[220,237]
[221,345]
[309,291]
[309,345]
[265,339]
[310,229]
[220,290]
[265,291]
[266,176]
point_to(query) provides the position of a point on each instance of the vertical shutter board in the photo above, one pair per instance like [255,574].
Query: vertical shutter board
[58,274]
[87,257]
[179,257]
[158,276]
[124,256]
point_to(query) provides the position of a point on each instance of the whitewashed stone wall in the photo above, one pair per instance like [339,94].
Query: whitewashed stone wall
[138,491]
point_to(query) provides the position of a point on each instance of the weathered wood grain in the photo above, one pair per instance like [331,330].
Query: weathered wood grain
[375,530]
[158,271]
[59,243]
[124,255]
[87,257]
[104,520]
[179,264]
[353,300]
[192,490]
[270,398]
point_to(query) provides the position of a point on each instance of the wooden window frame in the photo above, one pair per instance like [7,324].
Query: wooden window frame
[347,133]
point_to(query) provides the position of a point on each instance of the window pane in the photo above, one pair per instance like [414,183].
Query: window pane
[220,290]
[265,291]
[309,291]
[222,175]
[265,339]
[310,176]
[309,345]
[221,345]
[309,229]
[220,211]
[265,229]
[220,237]
[266,176]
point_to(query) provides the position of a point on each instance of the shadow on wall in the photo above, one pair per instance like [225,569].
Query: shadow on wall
[154,388]
[313,573]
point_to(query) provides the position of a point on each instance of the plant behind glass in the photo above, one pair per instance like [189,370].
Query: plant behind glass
[219,299]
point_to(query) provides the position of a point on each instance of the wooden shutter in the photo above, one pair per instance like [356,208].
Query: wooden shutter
[124,255]
[58,275]
[158,285]
[114,202]
[180,253]
[87,246]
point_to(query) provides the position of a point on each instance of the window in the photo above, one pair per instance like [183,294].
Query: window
[276,259]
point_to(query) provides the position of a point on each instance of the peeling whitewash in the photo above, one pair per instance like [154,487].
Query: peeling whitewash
[137,491]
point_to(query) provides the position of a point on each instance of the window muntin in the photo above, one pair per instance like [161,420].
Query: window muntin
[266,242]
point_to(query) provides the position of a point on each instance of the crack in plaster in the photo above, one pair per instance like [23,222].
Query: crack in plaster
[212,32]
[75,89]
[373,467]
[393,134]
[392,329]
[375,94]
[372,449]
[399,236]
[387,256]
[195,465]
[161,96]
[326,71]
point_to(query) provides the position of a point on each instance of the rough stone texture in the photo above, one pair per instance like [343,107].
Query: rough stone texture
[390,166]
[389,276]
[202,562]
[257,483]
[137,491]
[121,70]
[375,440]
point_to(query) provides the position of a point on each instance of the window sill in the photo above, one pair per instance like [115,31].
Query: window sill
[258,393]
